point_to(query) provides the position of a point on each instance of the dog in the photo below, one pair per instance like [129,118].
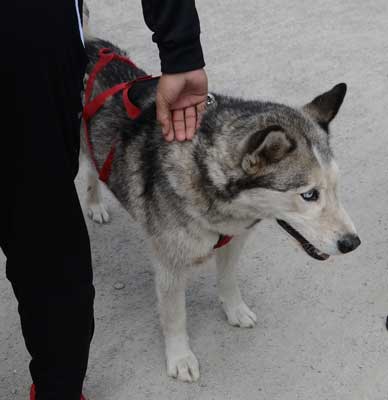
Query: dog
[249,161]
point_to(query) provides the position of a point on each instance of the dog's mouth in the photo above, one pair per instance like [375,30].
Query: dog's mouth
[311,250]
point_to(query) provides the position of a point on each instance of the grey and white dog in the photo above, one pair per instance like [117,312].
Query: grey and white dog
[249,160]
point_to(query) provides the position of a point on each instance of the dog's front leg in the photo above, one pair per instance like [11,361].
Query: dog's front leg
[170,287]
[237,312]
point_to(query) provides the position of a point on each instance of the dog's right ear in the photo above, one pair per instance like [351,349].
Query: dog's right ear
[265,147]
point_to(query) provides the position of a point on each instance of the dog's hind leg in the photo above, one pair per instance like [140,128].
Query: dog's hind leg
[95,206]
[237,312]
[170,287]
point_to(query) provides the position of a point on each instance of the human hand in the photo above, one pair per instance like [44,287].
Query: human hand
[180,100]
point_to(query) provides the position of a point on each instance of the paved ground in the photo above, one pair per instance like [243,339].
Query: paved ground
[321,328]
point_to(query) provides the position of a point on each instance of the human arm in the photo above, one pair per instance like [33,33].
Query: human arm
[182,89]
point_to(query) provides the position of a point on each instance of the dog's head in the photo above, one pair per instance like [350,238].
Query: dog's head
[290,174]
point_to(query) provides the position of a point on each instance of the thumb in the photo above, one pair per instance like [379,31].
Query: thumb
[163,114]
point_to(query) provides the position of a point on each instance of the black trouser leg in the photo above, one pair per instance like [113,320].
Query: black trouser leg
[42,229]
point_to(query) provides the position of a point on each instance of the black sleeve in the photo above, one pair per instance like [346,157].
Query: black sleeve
[176,28]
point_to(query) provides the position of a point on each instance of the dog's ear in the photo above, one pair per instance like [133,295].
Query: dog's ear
[325,107]
[265,147]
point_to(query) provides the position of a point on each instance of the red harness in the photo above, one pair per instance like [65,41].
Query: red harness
[222,241]
[92,106]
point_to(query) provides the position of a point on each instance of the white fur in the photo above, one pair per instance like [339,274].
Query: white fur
[170,288]
[96,209]
[237,312]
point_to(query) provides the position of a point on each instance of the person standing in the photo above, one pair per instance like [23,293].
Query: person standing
[42,229]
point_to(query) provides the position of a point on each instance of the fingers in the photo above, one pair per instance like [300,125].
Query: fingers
[180,102]
[185,123]
[178,121]
[169,136]
[190,122]
[179,124]
[163,115]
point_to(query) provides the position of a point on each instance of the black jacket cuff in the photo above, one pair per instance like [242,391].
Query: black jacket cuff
[181,58]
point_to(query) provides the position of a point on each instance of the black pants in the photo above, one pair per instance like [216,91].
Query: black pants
[42,230]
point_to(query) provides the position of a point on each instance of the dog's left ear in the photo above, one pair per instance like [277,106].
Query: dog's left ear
[325,107]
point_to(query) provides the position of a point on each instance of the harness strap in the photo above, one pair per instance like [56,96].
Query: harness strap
[93,106]
[222,241]
[105,57]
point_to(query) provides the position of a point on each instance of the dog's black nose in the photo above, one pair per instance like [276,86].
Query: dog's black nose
[348,243]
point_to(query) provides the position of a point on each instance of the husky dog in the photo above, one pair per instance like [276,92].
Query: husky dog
[249,160]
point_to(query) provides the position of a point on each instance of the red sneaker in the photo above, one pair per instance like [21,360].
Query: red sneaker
[32,393]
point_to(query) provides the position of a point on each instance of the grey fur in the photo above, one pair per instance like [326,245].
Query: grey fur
[149,163]
[248,161]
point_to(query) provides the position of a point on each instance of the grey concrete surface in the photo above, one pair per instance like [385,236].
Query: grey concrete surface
[321,331]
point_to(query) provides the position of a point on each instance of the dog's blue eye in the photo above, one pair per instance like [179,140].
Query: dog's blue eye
[311,195]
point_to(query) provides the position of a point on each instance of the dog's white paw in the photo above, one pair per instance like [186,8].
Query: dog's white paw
[98,213]
[184,367]
[240,315]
